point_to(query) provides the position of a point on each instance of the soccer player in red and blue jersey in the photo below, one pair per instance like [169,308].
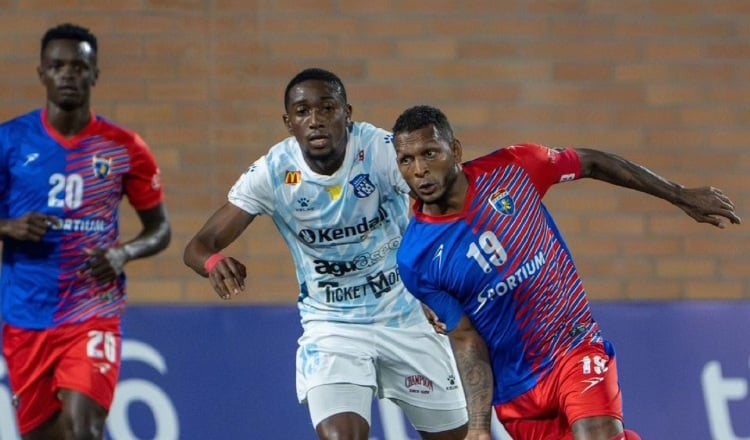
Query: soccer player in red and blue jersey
[485,255]
[63,174]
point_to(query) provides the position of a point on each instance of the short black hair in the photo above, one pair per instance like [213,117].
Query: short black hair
[421,116]
[69,31]
[315,73]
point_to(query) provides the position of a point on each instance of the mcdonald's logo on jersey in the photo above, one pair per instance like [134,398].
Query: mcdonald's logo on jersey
[101,165]
[502,202]
[293,177]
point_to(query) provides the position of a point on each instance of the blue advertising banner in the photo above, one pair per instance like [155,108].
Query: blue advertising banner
[228,373]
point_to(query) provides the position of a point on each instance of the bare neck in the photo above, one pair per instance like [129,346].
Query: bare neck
[68,122]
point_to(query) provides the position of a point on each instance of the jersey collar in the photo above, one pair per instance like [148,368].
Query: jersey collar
[68,142]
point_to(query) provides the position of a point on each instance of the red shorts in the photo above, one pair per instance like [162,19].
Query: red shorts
[583,384]
[83,357]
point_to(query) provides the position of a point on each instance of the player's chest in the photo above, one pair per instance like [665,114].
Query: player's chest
[492,243]
[335,199]
[66,174]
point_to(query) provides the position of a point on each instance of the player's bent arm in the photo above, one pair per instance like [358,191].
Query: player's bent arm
[153,238]
[155,234]
[473,362]
[221,229]
[704,204]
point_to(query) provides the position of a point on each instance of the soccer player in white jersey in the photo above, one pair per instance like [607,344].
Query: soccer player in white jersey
[336,195]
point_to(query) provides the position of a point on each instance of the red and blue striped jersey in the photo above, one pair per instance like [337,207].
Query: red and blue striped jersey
[502,262]
[81,180]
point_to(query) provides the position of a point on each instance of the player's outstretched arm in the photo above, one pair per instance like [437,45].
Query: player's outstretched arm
[226,274]
[473,362]
[704,204]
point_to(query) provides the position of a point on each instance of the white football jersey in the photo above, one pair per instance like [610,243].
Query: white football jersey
[343,230]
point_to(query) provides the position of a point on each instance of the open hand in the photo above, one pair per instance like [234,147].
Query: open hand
[708,205]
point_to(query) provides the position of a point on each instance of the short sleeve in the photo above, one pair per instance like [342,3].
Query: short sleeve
[547,166]
[142,184]
[445,306]
[253,191]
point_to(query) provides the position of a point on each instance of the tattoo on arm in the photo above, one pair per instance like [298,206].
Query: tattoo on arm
[472,359]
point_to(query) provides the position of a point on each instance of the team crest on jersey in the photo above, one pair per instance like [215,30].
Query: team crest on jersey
[293,177]
[102,166]
[363,187]
[502,202]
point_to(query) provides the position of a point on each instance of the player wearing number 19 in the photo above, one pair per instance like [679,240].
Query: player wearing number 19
[63,174]
[484,254]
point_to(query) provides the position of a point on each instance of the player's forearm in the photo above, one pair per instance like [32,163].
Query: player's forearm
[153,238]
[472,360]
[149,243]
[196,253]
[619,171]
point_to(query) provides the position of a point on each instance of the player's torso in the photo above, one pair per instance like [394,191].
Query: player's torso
[80,183]
[506,264]
[344,231]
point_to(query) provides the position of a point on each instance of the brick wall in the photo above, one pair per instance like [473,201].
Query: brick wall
[663,82]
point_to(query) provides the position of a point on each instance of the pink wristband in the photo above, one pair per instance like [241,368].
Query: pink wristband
[211,261]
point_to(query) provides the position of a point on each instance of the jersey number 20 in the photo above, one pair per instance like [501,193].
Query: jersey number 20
[66,192]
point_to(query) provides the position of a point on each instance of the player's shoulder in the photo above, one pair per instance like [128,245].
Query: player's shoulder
[20,129]
[510,154]
[368,135]
[529,149]
[362,128]
[109,129]
[286,151]
[414,238]
[22,121]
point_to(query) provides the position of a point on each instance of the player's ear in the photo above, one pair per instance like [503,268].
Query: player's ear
[287,123]
[457,150]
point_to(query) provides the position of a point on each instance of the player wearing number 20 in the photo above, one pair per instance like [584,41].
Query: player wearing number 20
[63,174]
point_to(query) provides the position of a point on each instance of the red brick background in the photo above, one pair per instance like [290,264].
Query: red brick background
[663,82]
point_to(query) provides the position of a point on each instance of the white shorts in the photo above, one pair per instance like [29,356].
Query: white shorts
[414,364]
[327,400]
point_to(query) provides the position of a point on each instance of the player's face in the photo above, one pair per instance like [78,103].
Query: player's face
[68,71]
[318,118]
[428,163]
